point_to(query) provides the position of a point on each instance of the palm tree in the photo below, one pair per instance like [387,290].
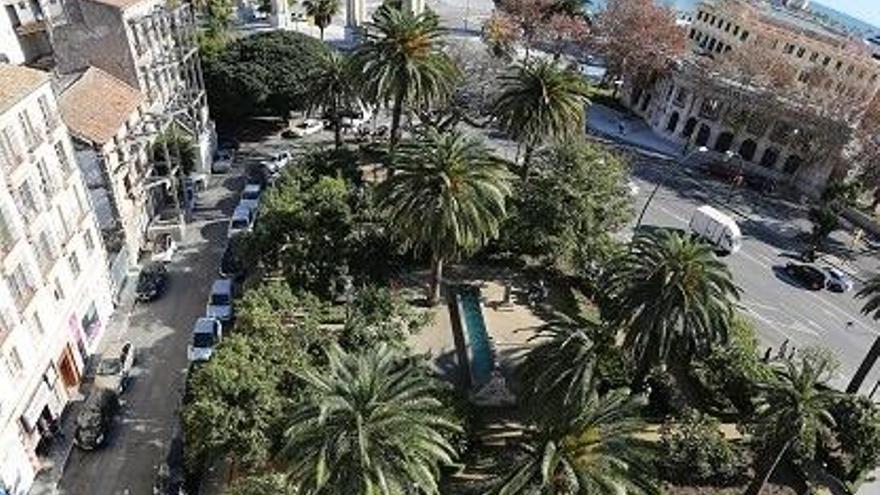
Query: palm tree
[871,290]
[447,196]
[597,453]
[322,11]
[795,408]
[331,86]
[368,424]
[401,62]
[558,371]
[541,101]
[670,290]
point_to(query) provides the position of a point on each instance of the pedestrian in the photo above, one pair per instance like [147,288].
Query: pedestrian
[767,354]
[782,350]
[793,352]
[621,127]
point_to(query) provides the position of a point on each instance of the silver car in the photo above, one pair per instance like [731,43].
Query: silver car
[114,367]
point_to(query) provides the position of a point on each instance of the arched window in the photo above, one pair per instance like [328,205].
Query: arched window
[689,127]
[672,122]
[792,164]
[725,139]
[646,101]
[769,158]
[703,135]
[747,150]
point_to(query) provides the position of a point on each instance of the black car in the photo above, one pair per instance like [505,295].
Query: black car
[809,276]
[95,418]
[151,282]
[764,185]
[231,265]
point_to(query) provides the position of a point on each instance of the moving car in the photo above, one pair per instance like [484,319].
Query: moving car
[808,276]
[837,281]
[717,229]
[95,418]
[151,282]
[242,221]
[223,161]
[114,367]
[250,196]
[220,300]
[306,127]
[206,334]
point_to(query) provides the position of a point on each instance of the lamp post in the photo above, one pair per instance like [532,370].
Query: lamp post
[737,179]
[683,161]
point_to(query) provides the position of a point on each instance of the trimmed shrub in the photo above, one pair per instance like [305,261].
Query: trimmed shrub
[693,451]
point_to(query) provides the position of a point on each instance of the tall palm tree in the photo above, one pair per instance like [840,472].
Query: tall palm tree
[541,101]
[401,62]
[322,12]
[447,196]
[795,407]
[331,87]
[597,453]
[558,371]
[871,291]
[368,424]
[670,290]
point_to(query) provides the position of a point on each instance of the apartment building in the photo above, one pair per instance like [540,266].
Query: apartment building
[54,292]
[785,137]
[149,45]
[25,29]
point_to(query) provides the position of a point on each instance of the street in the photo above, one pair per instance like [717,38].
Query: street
[142,434]
[780,309]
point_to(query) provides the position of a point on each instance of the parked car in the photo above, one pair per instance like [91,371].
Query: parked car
[114,367]
[808,276]
[250,196]
[837,281]
[242,221]
[231,266]
[207,333]
[151,282]
[223,161]
[220,300]
[95,418]
[306,127]
[276,161]
[764,185]
[721,171]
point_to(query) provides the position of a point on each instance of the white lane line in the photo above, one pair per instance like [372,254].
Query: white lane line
[672,214]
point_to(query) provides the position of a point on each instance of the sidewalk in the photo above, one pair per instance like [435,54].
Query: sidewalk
[46,481]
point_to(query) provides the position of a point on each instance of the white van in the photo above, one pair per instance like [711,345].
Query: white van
[717,229]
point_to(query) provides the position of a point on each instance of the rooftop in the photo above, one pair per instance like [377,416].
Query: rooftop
[118,4]
[97,105]
[16,82]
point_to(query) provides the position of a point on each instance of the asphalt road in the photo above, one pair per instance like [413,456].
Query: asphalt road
[142,435]
[780,309]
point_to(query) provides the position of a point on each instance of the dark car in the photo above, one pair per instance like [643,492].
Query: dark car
[764,185]
[721,171]
[95,418]
[151,282]
[809,276]
[231,265]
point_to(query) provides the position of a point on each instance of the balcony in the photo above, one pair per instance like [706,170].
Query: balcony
[22,294]
[34,140]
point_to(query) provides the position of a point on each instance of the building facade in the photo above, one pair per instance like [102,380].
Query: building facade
[55,297]
[791,136]
[25,29]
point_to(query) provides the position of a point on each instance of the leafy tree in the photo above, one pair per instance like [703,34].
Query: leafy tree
[263,484]
[402,63]
[370,423]
[322,12]
[638,38]
[262,74]
[694,451]
[447,196]
[855,448]
[598,452]
[871,291]
[331,87]
[181,151]
[796,408]
[538,102]
[824,220]
[567,213]
[378,316]
[273,308]
[670,291]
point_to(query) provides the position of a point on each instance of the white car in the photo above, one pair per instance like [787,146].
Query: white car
[837,281]
[250,196]
[242,221]
[163,249]
[277,161]
[306,127]
[206,334]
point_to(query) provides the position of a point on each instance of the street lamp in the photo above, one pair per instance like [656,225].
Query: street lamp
[683,161]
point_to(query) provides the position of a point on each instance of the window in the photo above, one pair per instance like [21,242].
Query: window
[47,182]
[61,153]
[62,221]
[849,70]
[800,52]
[59,290]
[20,285]
[38,324]
[735,30]
[80,205]
[710,108]
[826,61]
[30,135]
[13,362]
[693,33]
[744,36]
[789,48]
[45,250]
[814,56]
[46,112]
[727,27]
[25,199]
[73,261]
[89,240]
[8,145]
[838,65]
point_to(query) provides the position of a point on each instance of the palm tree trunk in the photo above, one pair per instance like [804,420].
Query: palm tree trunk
[527,161]
[396,112]
[321,29]
[337,125]
[436,280]
[765,470]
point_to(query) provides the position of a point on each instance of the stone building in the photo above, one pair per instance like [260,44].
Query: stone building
[795,136]
[25,28]
[55,297]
